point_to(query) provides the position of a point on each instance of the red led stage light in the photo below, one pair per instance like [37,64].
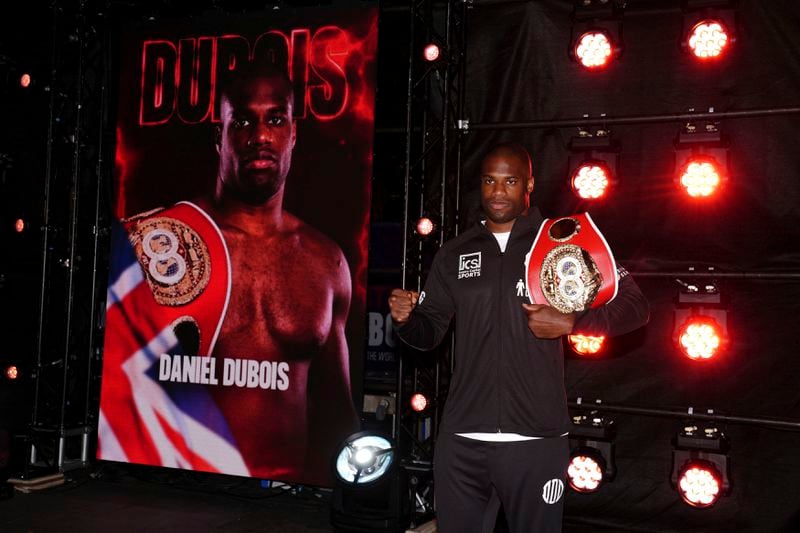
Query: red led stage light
[586,344]
[19,225]
[700,484]
[590,181]
[12,372]
[594,50]
[419,402]
[701,177]
[700,338]
[585,472]
[708,40]
[431,52]
[425,226]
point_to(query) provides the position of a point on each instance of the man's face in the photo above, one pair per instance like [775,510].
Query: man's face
[256,139]
[506,185]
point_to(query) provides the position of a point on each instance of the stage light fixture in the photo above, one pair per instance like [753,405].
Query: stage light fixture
[708,39]
[19,225]
[700,465]
[701,160]
[25,80]
[596,33]
[590,180]
[708,29]
[12,372]
[371,491]
[425,226]
[586,344]
[593,160]
[700,177]
[364,458]
[593,49]
[701,320]
[592,452]
[419,402]
[431,52]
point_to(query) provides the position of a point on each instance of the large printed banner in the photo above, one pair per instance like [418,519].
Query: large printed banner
[236,299]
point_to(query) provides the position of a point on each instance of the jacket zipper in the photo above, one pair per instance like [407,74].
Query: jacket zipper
[498,325]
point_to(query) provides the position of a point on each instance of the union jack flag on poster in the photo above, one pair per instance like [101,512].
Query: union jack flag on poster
[144,420]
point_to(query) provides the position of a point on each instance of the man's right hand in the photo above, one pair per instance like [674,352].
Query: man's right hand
[401,303]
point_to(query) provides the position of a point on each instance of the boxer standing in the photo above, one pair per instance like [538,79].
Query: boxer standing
[503,432]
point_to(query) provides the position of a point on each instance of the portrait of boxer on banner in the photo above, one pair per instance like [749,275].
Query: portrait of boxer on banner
[236,317]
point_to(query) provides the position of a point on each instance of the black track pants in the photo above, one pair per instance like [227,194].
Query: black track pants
[472,478]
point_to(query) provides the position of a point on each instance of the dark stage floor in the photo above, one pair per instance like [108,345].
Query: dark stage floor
[117,499]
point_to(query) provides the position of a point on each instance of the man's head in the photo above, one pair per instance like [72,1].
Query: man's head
[506,185]
[257,133]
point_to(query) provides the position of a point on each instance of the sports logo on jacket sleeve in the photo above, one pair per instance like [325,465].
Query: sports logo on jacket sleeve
[469,265]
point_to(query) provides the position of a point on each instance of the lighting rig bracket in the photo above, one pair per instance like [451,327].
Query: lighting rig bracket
[704,443]
[700,297]
[701,139]
[595,431]
[594,145]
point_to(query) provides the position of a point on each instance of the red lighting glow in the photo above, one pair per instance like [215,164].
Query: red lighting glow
[25,80]
[585,473]
[593,50]
[19,225]
[419,402]
[708,39]
[699,484]
[425,226]
[590,181]
[700,338]
[12,372]
[700,177]
[586,344]
[431,52]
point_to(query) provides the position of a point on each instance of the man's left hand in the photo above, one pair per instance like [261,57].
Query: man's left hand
[547,322]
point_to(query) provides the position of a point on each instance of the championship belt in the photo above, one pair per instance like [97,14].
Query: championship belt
[570,266]
[185,261]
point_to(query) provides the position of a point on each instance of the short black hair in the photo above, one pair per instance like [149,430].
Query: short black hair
[248,71]
[512,149]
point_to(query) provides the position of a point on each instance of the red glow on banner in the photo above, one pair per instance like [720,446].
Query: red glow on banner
[122,161]
[326,65]
[362,52]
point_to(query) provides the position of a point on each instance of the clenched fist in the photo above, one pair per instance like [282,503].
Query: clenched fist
[548,322]
[401,303]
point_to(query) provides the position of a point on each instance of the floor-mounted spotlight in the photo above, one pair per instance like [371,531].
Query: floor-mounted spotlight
[700,330]
[700,465]
[370,489]
[701,160]
[596,33]
[591,452]
[709,29]
[593,163]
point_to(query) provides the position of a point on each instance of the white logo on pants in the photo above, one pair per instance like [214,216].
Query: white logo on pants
[552,491]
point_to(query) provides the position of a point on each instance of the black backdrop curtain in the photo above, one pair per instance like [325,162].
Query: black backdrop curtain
[518,69]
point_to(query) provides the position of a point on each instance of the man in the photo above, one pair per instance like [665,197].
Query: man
[290,290]
[278,339]
[504,427]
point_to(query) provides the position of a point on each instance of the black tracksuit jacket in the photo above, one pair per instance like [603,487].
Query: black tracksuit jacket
[505,378]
